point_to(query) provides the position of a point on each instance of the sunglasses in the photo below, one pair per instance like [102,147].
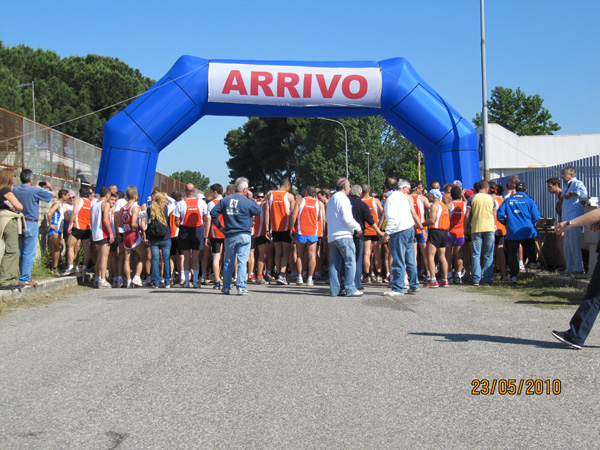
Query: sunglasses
[260,196]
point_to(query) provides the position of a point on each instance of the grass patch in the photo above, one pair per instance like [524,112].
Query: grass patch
[8,306]
[535,291]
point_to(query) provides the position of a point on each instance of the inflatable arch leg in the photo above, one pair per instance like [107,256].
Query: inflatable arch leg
[195,87]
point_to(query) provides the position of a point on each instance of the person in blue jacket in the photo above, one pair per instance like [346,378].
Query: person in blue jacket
[237,213]
[519,213]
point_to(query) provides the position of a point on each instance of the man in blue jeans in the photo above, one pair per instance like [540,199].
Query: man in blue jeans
[482,210]
[30,195]
[585,316]
[341,229]
[237,213]
[400,233]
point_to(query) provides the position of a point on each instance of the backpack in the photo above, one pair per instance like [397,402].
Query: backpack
[156,231]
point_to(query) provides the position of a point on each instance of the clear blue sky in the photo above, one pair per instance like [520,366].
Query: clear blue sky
[549,48]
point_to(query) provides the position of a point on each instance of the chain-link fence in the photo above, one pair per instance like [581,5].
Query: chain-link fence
[26,144]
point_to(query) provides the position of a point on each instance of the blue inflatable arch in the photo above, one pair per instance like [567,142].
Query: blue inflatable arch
[196,87]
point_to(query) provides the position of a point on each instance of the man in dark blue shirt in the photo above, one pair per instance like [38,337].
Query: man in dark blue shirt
[237,213]
[362,214]
[519,213]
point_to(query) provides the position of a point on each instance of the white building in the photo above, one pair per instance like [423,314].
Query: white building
[509,154]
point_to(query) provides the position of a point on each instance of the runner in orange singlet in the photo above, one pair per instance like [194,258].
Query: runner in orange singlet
[215,237]
[438,222]
[281,204]
[422,205]
[190,215]
[305,218]
[456,234]
[371,243]
[79,230]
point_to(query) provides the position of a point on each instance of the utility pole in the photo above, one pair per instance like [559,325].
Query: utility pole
[486,166]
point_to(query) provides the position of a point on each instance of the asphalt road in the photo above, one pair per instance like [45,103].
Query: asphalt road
[291,368]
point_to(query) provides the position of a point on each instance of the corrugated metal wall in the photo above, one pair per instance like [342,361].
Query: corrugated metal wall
[588,171]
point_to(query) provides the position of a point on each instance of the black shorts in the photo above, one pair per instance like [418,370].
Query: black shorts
[191,238]
[437,238]
[372,238]
[499,240]
[216,244]
[282,236]
[102,242]
[261,240]
[252,243]
[175,247]
[81,234]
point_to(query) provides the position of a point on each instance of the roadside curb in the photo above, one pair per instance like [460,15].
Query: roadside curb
[561,281]
[43,286]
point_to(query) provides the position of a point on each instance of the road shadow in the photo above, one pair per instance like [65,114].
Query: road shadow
[466,337]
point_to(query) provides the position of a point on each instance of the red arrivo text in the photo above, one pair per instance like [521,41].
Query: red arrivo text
[277,86]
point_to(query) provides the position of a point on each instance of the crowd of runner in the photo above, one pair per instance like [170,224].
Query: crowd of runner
[288,239]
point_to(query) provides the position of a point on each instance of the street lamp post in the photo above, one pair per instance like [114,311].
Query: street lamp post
[368,168]
[345,136]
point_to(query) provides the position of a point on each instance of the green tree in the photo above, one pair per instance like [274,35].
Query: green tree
[312,152]
[522,114]
[264,150]
[68,88]
[200,181]
[322,160]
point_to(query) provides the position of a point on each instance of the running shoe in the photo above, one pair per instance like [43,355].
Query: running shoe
[392,294]
[261,280]
[103,284]
[281,280]
[136,282]
[356,294]
[68,272]
[445,283]
[431,284]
